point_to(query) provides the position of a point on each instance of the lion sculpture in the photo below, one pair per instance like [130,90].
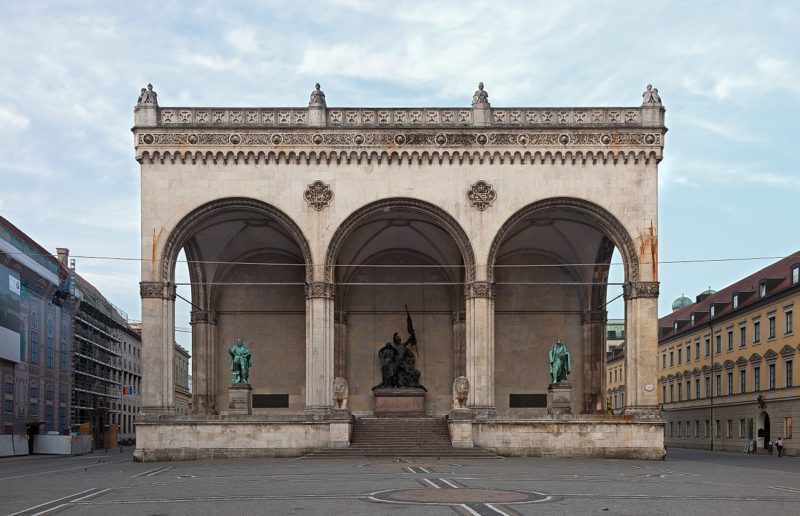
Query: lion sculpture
[340,393]
[460,392]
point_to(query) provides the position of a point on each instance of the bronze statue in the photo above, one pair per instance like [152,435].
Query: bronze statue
[398,362]
[241,362]
[560,363]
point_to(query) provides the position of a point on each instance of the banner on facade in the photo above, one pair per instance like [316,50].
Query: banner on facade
[10,324]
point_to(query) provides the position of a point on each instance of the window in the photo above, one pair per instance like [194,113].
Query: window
[9,388]
[671,358]
[771,321]
[762,289]
[719,385]
[688,353]
[795,274]
[48,394]
[8,405]
[756,331]
[697,428]
[62,419]
[750,428]
[729,428]
[742,336]
[730,383]
[756,379]
[663,360]
[706,430]
[708,346]
[742,381]
[63,356]
[718,338]
[730,340]
[708,386]
[771,376]
[62,396]
[718,430]
[680,391]
[34,320]
[789,372]
[688,390]
[663,393]
[50,357]
[48,417]
[711,310]
[34,392]
[697,387]
[680,354]
[735,301]
[34,409]
[787,427]
[789,322]
[670,429]
[671,392]
[609,377]
[615,375]
[34,347]
[697,350]
[742,428]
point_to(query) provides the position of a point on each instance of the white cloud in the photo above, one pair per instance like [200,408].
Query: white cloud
[243,39]
[11,119]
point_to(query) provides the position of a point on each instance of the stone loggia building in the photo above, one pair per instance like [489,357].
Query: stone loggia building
[307,230]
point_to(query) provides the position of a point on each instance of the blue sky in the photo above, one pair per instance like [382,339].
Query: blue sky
[728,73]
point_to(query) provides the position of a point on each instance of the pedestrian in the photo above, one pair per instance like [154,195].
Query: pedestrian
[779,446]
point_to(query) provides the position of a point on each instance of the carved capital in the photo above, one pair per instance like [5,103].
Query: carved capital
[320,289]
[202,317]
[157,289]
[485,289]
[637,289]
[595,317]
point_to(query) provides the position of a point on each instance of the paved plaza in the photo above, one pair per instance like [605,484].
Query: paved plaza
[688,482]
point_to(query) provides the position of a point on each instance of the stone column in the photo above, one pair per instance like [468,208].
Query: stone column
[641,347]
[158,340]
[203,384]
[319,347]
[340,345]
[459,345]
[480,346]
[594,360]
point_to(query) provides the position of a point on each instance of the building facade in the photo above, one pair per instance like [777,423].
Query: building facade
[131,379]
[726,363]
[183,392]
[36,326]
[308,230]
[615,369]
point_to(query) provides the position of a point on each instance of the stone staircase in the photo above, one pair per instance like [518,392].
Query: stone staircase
[402,437]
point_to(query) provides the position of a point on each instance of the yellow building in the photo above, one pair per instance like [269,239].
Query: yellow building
[726,363]
[615,370]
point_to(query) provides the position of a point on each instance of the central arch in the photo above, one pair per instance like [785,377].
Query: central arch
[386,255]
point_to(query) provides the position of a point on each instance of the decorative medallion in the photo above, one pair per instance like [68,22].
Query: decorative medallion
[563,139]
[650,139]
[400,139]
[522,139]
[318,195]
[440,139]
[605,139]
[148,139]
[482,139]
[317,139]
[277,139]
[236,139]
[358,139]
[193,139]
[481,195]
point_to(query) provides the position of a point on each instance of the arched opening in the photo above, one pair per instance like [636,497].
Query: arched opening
[247,266]
[763,430]
[551,263]
[386,256]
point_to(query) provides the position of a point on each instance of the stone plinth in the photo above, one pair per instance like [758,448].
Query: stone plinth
[460,423]
[240,397]
[559,398]
[341,428]
[406,402]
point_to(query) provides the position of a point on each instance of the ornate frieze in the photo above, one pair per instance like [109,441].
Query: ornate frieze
[481,195]
[318,195]
[320,289]
[637,289]
[485,289]
[157,289]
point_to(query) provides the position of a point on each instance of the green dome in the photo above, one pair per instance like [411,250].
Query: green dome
[681,302]
[708,292]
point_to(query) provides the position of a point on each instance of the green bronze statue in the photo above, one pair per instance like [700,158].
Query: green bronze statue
[241,362]
[560,363]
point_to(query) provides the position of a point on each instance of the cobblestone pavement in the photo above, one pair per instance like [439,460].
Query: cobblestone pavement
[688,482]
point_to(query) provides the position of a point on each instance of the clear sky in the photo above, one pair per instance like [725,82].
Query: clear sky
[728,72]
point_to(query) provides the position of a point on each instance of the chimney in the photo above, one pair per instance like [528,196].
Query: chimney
[63,255]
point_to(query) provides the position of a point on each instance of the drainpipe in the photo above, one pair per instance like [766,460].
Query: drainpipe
[711,343]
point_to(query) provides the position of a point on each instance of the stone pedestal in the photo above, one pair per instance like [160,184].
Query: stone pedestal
[460,423]
[405,402]
[240,399]
[341,422]
[559,398]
